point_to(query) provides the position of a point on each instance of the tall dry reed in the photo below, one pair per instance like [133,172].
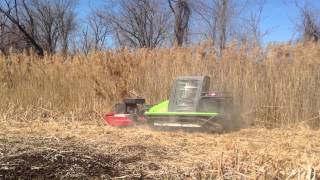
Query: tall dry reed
[277,86]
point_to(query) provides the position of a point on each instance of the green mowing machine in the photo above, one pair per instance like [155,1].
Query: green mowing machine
[190,107]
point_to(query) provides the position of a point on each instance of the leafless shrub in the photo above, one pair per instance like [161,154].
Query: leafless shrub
[93,37]
[309,25]
[137,23]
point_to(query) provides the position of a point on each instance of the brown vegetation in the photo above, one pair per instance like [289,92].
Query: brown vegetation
[51,114]
[80,149]
[52,103]
[277,87]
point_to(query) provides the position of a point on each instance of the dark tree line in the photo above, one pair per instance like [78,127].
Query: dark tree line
[52,26]
[42,25]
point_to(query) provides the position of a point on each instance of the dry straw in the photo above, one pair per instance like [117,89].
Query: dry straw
[277,86]
[79,149]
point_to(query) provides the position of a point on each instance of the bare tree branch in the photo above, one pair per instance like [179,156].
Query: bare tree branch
[182,12]
[309,24]
[22,29]
[137,23]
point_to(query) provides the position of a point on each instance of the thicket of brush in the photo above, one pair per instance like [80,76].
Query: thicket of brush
[278,86]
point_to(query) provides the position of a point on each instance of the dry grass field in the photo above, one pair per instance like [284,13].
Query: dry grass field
[51,114]
[86,150]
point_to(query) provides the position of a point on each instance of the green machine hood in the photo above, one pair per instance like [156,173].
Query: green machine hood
[161,109]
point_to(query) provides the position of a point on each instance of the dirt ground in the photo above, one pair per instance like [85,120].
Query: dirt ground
[90,150]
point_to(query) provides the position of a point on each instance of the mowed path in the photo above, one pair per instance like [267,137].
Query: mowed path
[84,149]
